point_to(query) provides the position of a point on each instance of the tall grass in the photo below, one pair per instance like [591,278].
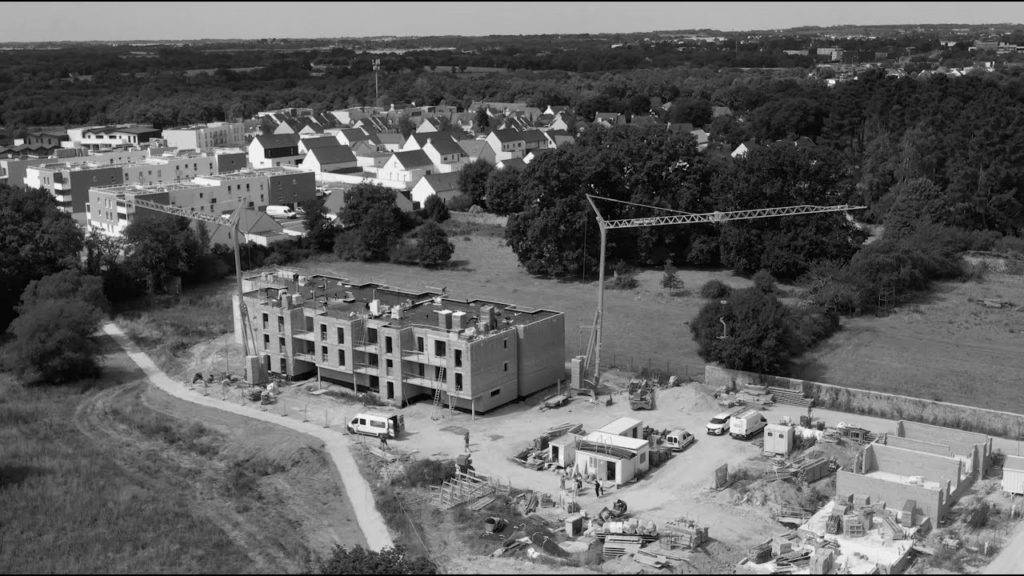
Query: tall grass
[65,506]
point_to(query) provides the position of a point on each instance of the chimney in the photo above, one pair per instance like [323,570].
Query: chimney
[487,315]
[444,319]
[457,322]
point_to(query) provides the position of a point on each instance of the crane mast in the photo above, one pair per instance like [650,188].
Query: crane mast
[594,345]
[247,333]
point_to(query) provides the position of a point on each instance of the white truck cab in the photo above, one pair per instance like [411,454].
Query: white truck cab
[371,424]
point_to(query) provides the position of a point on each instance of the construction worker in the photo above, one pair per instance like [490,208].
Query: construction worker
[597,487]
[466,438]
[561,481]
[383,442]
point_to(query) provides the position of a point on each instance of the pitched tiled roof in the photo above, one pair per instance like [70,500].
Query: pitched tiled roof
[413,159]
[473,147]
[444,145]
[270,141]
[333,155]
[445,182]
[533,136]
[505,136]
[320,142]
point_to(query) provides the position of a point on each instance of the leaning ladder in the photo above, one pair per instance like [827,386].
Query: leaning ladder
[439,394]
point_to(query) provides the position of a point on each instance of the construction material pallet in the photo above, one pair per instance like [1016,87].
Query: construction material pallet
[789,396]
[462,488]
[616,546]
[645,538]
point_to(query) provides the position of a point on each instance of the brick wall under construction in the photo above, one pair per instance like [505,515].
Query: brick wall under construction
[930,503]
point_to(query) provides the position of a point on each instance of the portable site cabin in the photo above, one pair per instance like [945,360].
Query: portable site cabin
[611,457]
[562,450]
[1013,474]
[625,426]
[779,439]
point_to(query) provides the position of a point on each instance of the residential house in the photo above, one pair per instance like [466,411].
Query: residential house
[556,110]
[49,139]
[334,202]
[514,163]
[446,154]
[266,151]
[558,138]
[609,119]
[445,186]
[562,122]
[307,143]
[744,148]
[98,137]
[429,125]
[335,158]
[253,226]
[718,111]
[506,144]
[350,136]
[478,149]
[406,168]
[703,138]
[399,345]
[392,141]
[534,139]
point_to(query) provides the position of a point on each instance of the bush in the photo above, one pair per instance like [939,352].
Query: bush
[764,281]
[388,561]
[53,341]
[1009,245]
[758,334]
[715,289]
[670,279]
[460,203]
[432,247]
[427,472]
[434,209]
[623,278]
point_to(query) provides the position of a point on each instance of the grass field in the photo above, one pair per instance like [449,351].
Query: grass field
[112,476]
[948,347]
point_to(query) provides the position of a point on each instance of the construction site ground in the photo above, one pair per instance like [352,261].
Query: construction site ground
[679,488]
[145,482]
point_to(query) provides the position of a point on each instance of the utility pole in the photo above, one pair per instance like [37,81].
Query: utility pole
[376,89]
[593,356]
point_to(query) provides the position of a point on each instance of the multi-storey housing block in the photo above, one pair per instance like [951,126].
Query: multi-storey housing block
[401,345]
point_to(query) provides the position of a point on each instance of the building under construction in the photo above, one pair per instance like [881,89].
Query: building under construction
[474,355]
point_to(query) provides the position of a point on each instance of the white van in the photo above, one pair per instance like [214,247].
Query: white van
[390,425]
[746,424]
[275,211]
[678,439]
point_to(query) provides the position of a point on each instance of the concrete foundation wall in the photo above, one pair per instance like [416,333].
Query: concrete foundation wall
[893,494]
[879,404]
[919,445]
[941,469]
[961,442]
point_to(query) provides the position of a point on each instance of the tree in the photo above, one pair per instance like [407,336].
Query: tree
[915,202]
[53,332]
[388,561]
[715,289]
[433,247]
[481,120]
[758,334]
[36,239]
[669,279]
[66,284]
[320,231]
[503,191]
[435,209]
[159,247]
[473,180]
[371,223]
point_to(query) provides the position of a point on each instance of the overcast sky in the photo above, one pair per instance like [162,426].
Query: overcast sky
[36,21]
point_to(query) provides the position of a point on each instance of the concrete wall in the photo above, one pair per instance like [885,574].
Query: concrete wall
[231,162]
[928,502]
[82,180]
[880,404]
[292,188]
[489,383]
[541,354]
[919,445]
[961,442]
[941,469]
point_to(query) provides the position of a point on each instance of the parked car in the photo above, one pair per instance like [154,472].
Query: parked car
[372,424]
[747,424]
[679,439]
[719,424]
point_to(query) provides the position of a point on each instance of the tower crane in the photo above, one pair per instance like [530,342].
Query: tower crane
[594,347]
[247,332]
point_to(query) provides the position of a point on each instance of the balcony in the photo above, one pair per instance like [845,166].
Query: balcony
[424,358]
[307,335]
[368,370]
[367,347]
[306,357]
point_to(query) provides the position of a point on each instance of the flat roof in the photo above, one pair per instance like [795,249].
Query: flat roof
[619,425]
[340,298]
[599,437]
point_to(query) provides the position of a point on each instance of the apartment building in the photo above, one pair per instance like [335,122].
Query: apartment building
[282,186]
[98,137]
[402,345]
[109,213]
[70,185]
[206,137]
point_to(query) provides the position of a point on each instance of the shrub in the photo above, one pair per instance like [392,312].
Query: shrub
[53,341]
[623,278]
[670,279]
[758,334]
[433,247]
[460,203]
[715,289]
[428,472]
[764,281]
[1009,245]
[434,209]
[388,561]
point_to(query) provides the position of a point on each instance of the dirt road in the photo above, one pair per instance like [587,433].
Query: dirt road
[336,445]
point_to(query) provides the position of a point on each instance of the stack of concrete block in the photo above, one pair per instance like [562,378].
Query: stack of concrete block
[822,561]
